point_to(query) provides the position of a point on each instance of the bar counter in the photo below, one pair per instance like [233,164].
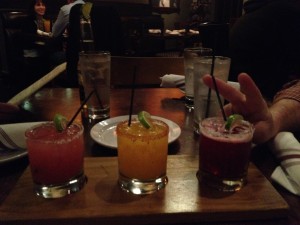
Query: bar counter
[164,102]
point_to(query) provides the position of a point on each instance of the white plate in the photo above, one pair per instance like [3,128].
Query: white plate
[16,131]
[104,132]
[10,155]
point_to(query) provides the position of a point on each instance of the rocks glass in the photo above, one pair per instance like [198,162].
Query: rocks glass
[224,154]
[142,156]
[56,159]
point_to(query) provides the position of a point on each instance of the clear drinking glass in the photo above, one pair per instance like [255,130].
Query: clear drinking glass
[142,156]
[95,76]
[205,106]
[189,55]
[56,159]
[224,154]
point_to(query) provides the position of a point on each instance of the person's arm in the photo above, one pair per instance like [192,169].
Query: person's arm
[286,107]
[61,23]
[286,114]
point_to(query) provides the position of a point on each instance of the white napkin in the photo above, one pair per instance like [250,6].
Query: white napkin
[174,80]
[287,150]
[12,136]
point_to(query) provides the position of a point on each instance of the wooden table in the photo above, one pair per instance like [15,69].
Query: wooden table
[164,102]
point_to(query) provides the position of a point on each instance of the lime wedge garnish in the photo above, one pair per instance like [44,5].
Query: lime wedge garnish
[145,119]
[86,9]
[233,119]
[60,122]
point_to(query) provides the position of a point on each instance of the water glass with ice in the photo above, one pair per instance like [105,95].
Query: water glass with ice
[189,55]
[205,101]
[95,75]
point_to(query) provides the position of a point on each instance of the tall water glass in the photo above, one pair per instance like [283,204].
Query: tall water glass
[189,55]
[95,75]
[205,101]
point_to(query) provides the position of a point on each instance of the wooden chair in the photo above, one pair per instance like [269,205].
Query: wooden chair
[148,73]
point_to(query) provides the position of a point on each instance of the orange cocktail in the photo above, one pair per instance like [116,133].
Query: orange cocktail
[56,159]
[142,156]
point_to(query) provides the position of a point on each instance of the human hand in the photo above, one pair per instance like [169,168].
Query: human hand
[42,33]
[249,102]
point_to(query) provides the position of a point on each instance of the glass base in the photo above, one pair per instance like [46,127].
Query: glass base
[61,190]
[225,185]
[98,114]
[140,187]
[189,102]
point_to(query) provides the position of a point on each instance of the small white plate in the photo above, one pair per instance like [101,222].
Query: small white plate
[104,132]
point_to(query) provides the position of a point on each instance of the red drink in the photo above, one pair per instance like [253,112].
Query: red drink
[56,158]
[224,155]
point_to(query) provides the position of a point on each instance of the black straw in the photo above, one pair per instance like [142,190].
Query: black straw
[132,96]
[214,82]
[81,106]
[216,88]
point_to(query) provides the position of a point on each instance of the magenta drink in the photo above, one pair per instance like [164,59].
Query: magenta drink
[224,154]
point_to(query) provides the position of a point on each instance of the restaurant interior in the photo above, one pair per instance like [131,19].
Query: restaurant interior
[130,37]
[146,41]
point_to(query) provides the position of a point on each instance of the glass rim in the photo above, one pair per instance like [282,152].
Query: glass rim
[248,131]
[158,135]
[65,140]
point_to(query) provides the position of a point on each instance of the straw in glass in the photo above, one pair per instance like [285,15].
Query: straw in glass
[216,89]
[79,109]
[132,96]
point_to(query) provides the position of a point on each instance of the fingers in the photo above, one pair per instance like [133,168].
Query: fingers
[228,92]
[248,87]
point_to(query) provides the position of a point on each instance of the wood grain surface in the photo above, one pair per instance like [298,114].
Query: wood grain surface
[182,201]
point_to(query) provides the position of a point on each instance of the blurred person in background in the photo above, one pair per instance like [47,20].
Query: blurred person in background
[41,52]
[62,21]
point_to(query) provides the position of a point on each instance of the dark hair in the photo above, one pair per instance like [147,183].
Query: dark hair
[31,11]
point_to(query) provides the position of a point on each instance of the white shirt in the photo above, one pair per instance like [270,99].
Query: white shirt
[62,20]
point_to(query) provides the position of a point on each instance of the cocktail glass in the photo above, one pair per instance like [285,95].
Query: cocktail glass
[224,154]
[142,156]
[56,159]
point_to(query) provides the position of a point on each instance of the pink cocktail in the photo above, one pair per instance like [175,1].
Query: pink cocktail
[224,154]
[56,159]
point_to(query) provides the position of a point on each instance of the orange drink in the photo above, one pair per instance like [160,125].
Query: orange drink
[56,159]
[142,156]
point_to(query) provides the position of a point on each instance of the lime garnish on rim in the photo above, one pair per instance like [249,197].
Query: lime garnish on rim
[145,119]
[233,119]
[60,122]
